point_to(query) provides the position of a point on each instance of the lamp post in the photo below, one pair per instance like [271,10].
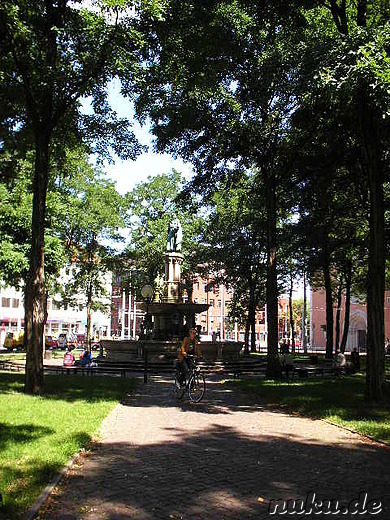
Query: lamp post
[147,295]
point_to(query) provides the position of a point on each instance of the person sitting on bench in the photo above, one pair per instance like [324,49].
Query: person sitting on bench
[86,359]
[287,363]
[69,358]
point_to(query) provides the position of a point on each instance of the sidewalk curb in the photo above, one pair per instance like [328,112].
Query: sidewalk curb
[37,505]
[34,509]
[382,444]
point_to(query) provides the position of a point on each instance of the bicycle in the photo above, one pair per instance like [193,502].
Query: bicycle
[196,385]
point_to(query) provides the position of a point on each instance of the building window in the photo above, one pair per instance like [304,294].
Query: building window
[211,302]
[204,300]
[6,302]
[15,303]
[196,286]
[219,304]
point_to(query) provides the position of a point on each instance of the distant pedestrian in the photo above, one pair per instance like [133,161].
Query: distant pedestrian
[355,360]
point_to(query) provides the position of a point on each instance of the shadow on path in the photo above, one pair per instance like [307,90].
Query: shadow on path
[215,460]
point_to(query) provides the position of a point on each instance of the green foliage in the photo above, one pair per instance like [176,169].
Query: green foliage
[15,227]
[90,214]
[54,54]
[151,206]
[235,243]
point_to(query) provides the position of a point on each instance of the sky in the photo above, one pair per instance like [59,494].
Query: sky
[128,173]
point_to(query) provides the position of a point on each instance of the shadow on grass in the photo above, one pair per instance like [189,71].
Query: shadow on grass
[21,433]
[339,399]
[73,388]
[24,486]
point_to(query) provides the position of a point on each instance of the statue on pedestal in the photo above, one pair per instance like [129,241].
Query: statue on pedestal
[175,235]
[159,288]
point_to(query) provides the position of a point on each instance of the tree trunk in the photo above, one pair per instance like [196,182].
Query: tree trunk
[246,336]
[304,317]
[375,375]
[35,294]
[329,311]
[252,317]
[338,315]
[292,322]
[89,316]
[348,281]
[273,364]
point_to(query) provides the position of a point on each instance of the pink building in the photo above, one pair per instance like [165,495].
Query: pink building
[357,326]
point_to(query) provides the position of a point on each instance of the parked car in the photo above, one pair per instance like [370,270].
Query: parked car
[80,340]
[13,340]
[50,342]
[67,340]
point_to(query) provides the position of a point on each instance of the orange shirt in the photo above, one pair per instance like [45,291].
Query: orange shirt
[186,346]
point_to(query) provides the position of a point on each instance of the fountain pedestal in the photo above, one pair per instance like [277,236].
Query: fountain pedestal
[173,261]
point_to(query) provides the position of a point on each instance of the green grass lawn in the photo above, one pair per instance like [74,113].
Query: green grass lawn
[56,354]
[340,400]
[39,434]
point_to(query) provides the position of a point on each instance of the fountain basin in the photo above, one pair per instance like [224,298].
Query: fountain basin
[121,351]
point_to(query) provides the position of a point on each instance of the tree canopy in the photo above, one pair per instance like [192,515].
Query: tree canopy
[52,54]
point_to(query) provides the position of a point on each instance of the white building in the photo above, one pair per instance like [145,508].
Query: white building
[59,319]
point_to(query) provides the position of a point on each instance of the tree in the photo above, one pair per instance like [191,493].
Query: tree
[219,90]
[151,206]
[53,53]
[90,226]
[234,246]
[15,227]
[354,70]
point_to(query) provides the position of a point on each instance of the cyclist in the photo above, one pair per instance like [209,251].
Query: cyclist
[189,346]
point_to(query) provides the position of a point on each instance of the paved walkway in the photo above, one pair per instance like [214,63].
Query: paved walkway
[224,458]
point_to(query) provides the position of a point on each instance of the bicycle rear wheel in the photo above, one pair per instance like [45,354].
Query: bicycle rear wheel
[178,388]
[196,387]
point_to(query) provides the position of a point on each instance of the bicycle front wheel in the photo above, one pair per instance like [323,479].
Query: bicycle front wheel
[196,387]
[178,388]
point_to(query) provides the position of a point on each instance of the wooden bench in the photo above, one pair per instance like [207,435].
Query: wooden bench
[11,366]
[304,372]
[111,368]
[242,367]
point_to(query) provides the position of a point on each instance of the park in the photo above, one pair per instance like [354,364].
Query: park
[281,112]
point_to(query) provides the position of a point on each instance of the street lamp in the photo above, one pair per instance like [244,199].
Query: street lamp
[147,295]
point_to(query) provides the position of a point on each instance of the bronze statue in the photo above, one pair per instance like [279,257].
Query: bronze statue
[175,235]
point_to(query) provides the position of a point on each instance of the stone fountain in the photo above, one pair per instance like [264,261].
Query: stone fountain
[167,318]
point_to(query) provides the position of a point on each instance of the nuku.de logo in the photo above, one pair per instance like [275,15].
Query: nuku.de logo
[312,505]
